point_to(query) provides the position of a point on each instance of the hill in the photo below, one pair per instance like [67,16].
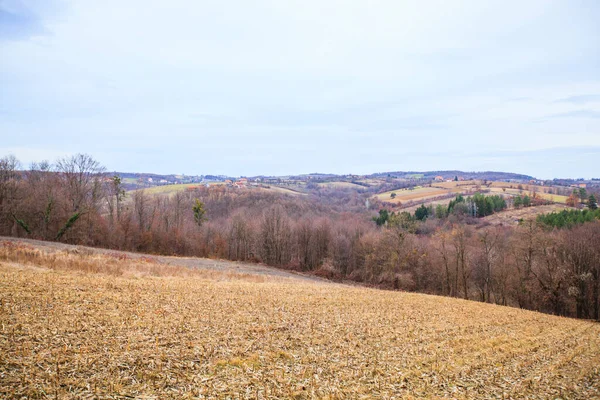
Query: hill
[75,323]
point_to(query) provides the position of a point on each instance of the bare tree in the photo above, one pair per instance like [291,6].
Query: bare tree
[9,176]
[275,236]
[82,178]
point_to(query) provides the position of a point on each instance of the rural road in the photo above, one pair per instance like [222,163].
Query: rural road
[189,262]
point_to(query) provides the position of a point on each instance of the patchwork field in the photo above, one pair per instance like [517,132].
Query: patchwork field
[81,325]
[172,189]
[423,194]
[415,194]
[516,192]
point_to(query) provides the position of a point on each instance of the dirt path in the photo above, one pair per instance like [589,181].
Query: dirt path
[189,262]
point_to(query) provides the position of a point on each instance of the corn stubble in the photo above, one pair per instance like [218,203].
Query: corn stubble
[90,326]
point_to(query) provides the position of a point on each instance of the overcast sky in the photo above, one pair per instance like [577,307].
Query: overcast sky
[280,87]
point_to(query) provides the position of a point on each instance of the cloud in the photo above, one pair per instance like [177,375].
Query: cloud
[581,99]
[296,86]
[18,21]
[577,114]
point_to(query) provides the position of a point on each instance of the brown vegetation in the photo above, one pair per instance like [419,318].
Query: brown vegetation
[329,233]
[93,328]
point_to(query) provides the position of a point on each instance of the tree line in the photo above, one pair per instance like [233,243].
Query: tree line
[329,233]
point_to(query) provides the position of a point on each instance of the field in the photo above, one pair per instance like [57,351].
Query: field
[282,190]
[76,324]
[512,216]
[172,189]
[515,192]
[417,194]
[422,194]
[341,185]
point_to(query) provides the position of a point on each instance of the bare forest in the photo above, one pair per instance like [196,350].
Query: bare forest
[329,232]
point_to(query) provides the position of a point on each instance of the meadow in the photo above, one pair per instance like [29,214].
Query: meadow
[81,325]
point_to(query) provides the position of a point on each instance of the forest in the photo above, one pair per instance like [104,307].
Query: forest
[550,265]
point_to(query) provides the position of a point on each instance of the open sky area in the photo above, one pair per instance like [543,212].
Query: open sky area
[299,86]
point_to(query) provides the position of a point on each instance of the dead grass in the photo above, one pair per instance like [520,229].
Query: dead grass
[85,260]
[404,195]
[556,198]
[341,185]
[67,332]
[513,216]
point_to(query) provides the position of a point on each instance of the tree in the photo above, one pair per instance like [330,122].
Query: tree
[592,202]
[115,197]
[571,200]
[518,202]
[9,177]
[275,237]
[383,217]
[393,195]
[81,176]
[199,212]
[582,194]
[422,213]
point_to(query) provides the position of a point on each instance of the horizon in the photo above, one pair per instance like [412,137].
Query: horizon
[279,89]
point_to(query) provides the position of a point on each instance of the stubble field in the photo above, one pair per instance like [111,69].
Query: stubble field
[84,326]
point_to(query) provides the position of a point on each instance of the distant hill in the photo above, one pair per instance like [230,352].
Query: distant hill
[489,175]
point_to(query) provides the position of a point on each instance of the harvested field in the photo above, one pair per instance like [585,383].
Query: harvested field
[67,332]
[416,194]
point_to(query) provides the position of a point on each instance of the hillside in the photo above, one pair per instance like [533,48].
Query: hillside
[78,324]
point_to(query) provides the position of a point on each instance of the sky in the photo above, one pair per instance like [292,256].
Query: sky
[300,86]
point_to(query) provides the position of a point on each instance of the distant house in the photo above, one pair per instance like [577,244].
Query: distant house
[439,178]
[583,185]
[149,180]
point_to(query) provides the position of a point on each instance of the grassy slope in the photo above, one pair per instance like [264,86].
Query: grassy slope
[67,333]
[341,185]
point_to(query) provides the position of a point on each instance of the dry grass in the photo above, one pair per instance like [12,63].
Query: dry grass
[171,189]
[341,185]
[471,184]
[282,190]
[418,193]
[512,216]
[66,333]
[86,260]
[556,198]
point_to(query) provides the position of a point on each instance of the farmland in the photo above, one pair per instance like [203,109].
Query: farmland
[172,189]
[76,324]
[414,194]
[407,197]
[341,185]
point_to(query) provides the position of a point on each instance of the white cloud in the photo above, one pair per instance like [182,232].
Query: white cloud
[361,78]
